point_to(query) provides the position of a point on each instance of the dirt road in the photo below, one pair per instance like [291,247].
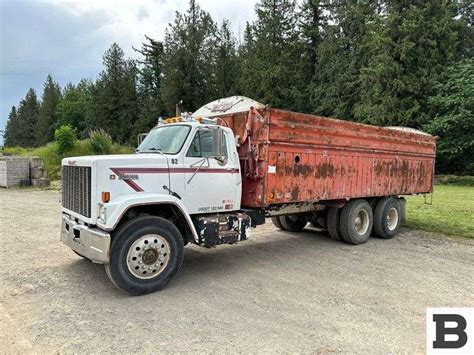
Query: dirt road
[277,292]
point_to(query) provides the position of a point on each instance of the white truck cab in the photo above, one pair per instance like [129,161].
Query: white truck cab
[134,213]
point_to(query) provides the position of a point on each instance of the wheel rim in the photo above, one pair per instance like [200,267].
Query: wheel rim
[361,222]
[148,256]
[392,218]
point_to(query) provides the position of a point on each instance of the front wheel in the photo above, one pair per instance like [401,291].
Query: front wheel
[146,254]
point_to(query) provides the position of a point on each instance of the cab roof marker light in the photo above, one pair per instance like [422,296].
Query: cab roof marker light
[186,117]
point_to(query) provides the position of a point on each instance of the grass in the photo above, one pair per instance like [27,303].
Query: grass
[452,211]
[52,160]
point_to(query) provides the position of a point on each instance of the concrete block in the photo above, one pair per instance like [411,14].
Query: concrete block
[40,182]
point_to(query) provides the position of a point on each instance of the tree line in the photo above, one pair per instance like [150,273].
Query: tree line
[384,62]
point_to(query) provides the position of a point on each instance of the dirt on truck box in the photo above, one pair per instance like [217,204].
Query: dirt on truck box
[289,157]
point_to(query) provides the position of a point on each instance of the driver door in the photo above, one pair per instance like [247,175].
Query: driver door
[210,183]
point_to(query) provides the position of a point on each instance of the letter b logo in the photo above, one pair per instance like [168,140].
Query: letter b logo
[450,331]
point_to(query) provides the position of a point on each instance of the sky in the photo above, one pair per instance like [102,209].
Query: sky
[67,38]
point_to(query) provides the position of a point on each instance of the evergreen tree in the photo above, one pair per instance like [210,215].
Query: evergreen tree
[453,109]
[340,55]
[313,20]
[247,83]
[74,107]
[27,118]
[150,76]
[48,112]
[114,101]
[226,69]
[10,135]
[407,56]
[275,53]
[189,59]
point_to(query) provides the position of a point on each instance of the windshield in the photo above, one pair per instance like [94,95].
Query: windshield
[166,139]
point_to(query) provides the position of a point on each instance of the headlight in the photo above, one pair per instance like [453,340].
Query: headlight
[102,213]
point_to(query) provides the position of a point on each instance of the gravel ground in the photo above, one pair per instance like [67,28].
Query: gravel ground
[278,291]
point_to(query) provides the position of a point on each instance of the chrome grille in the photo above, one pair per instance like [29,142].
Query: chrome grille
[76,195]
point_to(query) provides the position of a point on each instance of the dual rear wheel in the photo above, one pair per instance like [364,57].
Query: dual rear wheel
[355,222]
[358,219]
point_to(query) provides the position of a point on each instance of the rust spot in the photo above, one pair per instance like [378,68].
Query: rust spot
[324,170]
[302,169]
[295,193]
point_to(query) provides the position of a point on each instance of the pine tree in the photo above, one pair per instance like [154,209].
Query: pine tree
[340,55]
[48,112]
[247,83]
[226,69]
[150,76]
[27,118]
[274,52]
[114,101]
[407,56]
[189,59]
[11,130]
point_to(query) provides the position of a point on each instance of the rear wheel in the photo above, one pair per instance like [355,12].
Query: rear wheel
[356,221]
[276,222]
[387,218]
[146,253]
[319,219]
[333,223]
[293,222]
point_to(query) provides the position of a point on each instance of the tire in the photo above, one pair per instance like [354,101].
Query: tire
[276,222]
[293,222]
[146,253]
[333,223]
[387,218]
[356,221]
[319,219]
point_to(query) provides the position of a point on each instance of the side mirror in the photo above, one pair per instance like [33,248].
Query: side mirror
[218,141]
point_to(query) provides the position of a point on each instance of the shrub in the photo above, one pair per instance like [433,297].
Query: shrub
[454,180]
[66,138]
[100,142]
[14,151]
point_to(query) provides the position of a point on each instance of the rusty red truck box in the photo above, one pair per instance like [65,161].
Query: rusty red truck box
[289,157]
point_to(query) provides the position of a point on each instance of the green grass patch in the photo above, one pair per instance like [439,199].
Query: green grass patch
[451,213]
[52,159]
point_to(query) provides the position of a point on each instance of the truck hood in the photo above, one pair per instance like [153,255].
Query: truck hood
[118,175]
[90,160]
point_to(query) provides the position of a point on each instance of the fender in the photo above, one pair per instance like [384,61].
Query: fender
[116,208]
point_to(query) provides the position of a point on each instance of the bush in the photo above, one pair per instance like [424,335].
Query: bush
[454,180]
[13,151]
[101,142]
[66,138]
[52,159]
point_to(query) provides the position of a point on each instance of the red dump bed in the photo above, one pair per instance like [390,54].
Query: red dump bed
[293,157]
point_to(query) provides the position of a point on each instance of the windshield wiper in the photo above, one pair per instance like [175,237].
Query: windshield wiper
[150,150]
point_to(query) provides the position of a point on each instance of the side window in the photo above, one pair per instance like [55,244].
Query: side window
[202,145]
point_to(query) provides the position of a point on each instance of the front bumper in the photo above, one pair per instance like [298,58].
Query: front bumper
[92,243]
